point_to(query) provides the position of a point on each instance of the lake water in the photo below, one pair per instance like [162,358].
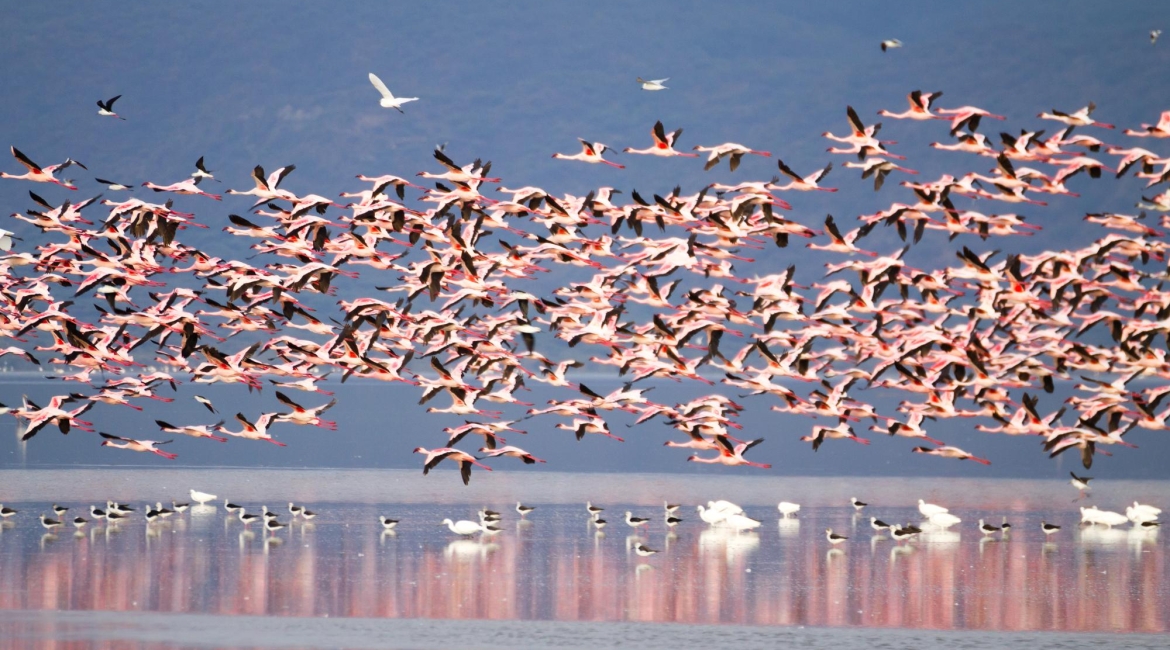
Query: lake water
[202,579]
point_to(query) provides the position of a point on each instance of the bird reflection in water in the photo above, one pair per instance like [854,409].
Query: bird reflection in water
[551,568]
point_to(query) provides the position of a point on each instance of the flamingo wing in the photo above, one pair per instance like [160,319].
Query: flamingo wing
[659,134]
[32,166]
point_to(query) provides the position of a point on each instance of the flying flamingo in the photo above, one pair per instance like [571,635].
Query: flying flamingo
[728,150]
[514,452]
[807,183]
[732,454]
[590,153]
[137,445]
[187,186]
[663,144]
[37,174]
[950,452]
[1076,118]
[465,460]
[919,107]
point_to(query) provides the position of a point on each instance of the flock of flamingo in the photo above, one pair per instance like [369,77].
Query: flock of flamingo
[666,286]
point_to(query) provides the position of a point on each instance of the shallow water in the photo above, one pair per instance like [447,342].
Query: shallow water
[555,569]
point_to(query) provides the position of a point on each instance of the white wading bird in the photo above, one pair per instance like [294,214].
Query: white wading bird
[388,98]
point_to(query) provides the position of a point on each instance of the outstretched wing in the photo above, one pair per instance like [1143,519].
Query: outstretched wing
[32,166]
[787,171]
[381,87]
[283,399]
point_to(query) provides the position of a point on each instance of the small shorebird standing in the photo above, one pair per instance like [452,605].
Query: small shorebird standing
[523,509]
[900,533]
[834,538]
[387,523]
[857,505]
[635,522]
[643,550]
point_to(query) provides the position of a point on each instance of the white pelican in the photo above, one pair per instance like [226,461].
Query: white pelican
[202,498]
[944,519]
[463,527]
[929,509]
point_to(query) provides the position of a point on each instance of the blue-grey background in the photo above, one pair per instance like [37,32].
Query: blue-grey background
[278,83]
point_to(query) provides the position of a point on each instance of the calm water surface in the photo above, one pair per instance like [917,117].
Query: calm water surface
[554,568]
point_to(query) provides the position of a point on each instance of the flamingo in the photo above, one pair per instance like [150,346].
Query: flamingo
[37,174]
[150,446]
[731,454]
[807,183]
[663,144]
[590,153]
[950,452]
[919,107]
[731,150]
[1077,118]
[514,452]
[187,186]
[465,460]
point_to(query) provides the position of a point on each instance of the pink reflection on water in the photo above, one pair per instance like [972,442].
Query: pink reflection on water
[557,568]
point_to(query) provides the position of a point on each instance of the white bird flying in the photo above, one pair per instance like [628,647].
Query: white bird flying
[388,98]
[653,84]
